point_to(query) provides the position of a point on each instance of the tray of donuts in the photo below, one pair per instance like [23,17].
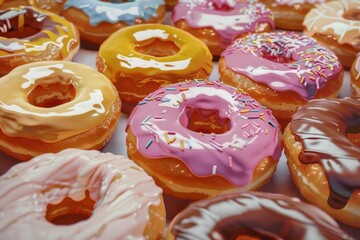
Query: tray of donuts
[254,132]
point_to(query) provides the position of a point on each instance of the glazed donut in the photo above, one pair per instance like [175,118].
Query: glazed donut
[29,34]
[322,145]
[78,194]
[54,6]
[53,105]
[253,215]
[139,59]
[336,25]
[290,14]
[97,20]
[196,139]
[282,71]
[218,22]
[355,77]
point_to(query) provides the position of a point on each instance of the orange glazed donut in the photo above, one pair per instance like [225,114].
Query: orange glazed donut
[198,139]
[290,14]
[98,19]
[78,194]
[28,34]
[53,105]
[336,25]
[139,59]
[253,215]
[281,70]
[322,145]
[54,6]
[355,77]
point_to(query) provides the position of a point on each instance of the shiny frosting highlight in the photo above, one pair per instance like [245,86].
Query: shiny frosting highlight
[254,214]
[116,11]
[18,118]
[283,61]
[322,126]
[241,18]
[160,122]
[122,192]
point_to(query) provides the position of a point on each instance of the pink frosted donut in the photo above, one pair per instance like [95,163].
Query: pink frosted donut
[79,194]
[219,22]
[198,139]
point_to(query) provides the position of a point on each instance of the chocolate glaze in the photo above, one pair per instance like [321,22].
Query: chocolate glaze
[322,126]
[262,215]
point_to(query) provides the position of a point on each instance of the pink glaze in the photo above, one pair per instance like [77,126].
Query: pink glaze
[297,63]
[237,17]
[253,135]
[123,193]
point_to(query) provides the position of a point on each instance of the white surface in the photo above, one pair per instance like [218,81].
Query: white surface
[280,183]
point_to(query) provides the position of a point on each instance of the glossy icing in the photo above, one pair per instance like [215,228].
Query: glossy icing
[321,126]
[122,191]
[284,61]
[243,16]
[357,66]
[327,19]
[160,121]
[18,118]
[254,214]
[116,11]
[293,2]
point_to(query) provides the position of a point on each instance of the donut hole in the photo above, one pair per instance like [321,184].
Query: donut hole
[353,14]
[51,95]
[204,121]
[278,58]
[69,211]
[353,134]
[222,7]
[158,48]
[19,27]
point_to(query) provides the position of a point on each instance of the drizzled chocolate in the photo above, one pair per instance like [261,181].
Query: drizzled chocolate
[261,215]
[322,126]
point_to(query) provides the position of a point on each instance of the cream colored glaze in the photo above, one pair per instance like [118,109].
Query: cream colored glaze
[327,19]
[123,193]
[18,118]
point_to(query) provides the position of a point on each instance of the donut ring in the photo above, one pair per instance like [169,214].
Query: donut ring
[97,20]
[282,71]
[336,24]
[253,215]
[139,59]
[196,139]
[218,22]
[107,196]
[322,145]
[53,105]
[54,6]
[355,77]
[43,36]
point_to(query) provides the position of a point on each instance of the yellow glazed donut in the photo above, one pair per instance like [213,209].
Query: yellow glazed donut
[139,59]
[336,25]
[29,34]
[355,77]
[82,195]
[53,105]
[54,6]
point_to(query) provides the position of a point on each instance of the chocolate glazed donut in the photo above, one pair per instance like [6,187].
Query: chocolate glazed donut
[260,215]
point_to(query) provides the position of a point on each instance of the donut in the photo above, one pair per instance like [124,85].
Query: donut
[218,22]
[281,70]
[79,194]
[290,14]
[336,25]
[53,105]
[139,59]
[198,139]
[253,215]
[29,34]
[97,20]
[322,145]
[170,4]
[54,6]
[355,76]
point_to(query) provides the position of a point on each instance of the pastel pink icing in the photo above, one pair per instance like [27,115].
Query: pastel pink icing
[253,135]
[237,17]
[123,193]
[284,61]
